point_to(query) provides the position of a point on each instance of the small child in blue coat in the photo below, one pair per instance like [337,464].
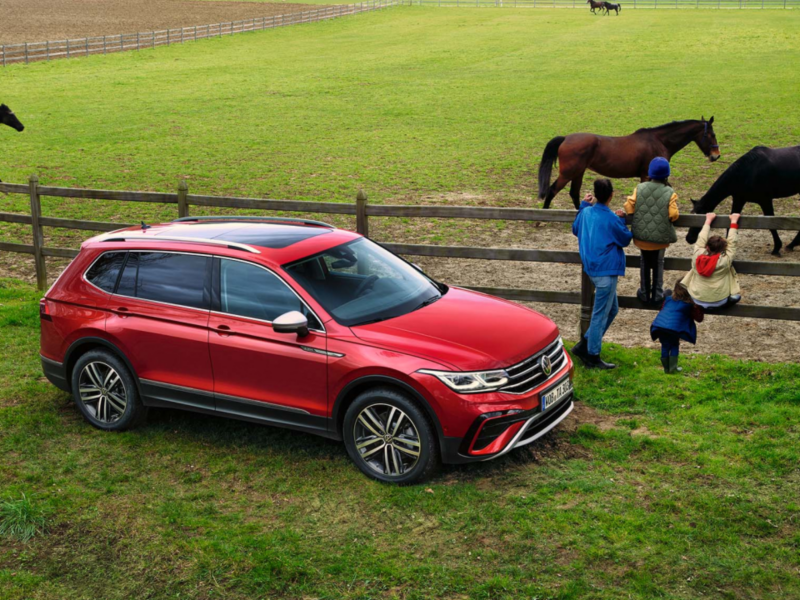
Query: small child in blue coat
[676,322]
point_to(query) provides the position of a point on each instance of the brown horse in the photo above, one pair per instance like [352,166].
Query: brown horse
[627,156]
[593,6]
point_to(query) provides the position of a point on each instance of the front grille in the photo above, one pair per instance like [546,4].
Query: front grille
[526,375]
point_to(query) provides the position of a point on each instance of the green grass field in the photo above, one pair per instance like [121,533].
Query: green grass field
[685,487]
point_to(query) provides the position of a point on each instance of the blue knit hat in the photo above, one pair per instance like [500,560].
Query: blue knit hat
[659,168]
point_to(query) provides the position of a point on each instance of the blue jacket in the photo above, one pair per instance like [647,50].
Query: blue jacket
[601,237]
[676,317]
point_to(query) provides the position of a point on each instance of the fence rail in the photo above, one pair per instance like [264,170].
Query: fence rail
[107,44]
[363,211]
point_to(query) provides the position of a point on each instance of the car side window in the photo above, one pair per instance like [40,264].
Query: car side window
[249,291]
[172,278]
[127,282]
[105,271]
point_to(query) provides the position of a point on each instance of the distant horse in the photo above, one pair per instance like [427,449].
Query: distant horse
[759,176]
[627,156]
[7,117]
[593,6]
[610,6]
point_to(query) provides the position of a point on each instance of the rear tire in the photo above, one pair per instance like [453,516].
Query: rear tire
[390,438]
[105,392]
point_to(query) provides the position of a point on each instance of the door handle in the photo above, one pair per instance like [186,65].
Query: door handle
[223,330]
[122,311]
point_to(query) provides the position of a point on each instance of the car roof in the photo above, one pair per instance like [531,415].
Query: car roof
[273,240]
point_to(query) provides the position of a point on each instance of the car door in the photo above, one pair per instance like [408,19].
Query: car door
[259,373]
[159,316]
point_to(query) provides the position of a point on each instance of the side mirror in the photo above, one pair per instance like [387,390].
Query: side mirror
[291,322]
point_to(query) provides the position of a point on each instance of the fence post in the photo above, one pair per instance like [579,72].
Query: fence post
[183,202]
[362,223]
[587,303]
[26,53]
[38,238]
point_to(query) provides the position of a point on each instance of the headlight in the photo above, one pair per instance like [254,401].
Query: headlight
[471,383]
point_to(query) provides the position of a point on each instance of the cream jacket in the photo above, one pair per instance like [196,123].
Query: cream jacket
[723,281]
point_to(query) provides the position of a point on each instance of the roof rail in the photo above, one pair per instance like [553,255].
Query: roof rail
[285,220]
[175,238]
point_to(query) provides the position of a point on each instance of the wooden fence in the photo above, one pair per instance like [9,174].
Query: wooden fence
[626,4]
[106,44]
[363,212]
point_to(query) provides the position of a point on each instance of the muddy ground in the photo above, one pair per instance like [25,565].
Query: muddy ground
[43,20]
[758,339]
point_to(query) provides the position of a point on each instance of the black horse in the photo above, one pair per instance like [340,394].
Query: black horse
[760,176]
[7,117]
[609,6]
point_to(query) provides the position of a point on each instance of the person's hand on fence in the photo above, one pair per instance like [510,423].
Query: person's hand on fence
[710,218]
[588,198]
[620,213]
[735,218]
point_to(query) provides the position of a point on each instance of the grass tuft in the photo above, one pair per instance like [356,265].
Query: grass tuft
[21,519]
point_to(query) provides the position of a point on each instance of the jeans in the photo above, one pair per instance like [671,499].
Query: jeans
[670,344]
[606,307]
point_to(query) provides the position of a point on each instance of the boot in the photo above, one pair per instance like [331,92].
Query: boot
[643,293]
[580,349]
[665,363]
[658,280]
[595,362]
[673,365]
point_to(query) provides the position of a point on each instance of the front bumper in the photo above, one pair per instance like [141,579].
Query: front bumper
[508,422]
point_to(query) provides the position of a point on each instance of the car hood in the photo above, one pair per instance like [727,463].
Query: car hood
[467,330]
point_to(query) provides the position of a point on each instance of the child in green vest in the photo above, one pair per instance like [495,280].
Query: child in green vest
[654,206]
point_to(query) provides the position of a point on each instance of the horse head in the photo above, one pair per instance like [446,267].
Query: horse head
[706,140]
[7,117]
[697,209]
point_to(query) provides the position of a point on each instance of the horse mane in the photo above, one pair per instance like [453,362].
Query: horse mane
[667,125]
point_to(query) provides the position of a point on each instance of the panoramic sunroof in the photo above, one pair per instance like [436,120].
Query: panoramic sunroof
[255,234]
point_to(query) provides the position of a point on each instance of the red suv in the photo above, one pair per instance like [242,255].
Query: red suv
[298,324]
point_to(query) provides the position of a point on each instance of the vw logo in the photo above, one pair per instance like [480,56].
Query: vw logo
[547,366]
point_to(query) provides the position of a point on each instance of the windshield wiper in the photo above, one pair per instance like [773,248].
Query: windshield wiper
[428,302]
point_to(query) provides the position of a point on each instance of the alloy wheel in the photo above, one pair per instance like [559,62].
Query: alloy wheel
[102,392]
[386,439]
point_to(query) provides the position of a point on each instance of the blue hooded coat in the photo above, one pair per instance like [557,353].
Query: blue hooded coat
[601,237]
[676,317]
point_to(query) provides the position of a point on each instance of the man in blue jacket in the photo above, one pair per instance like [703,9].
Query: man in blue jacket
[602,234]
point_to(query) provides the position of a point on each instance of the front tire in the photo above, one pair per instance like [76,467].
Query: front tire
[389,437]
[105,392]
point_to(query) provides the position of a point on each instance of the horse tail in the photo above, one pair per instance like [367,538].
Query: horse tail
[546,167]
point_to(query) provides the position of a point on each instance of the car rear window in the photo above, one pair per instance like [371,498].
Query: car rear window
[172,278]
[105,271]
[166,277]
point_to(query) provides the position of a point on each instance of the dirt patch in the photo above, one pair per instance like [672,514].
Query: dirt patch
[586,415]
[42,20]
[757,339]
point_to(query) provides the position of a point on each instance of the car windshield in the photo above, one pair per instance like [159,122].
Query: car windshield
[360,282]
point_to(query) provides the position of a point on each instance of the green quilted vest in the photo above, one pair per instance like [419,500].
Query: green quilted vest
[651,218]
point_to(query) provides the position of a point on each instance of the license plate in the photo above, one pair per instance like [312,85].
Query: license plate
[554,394]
